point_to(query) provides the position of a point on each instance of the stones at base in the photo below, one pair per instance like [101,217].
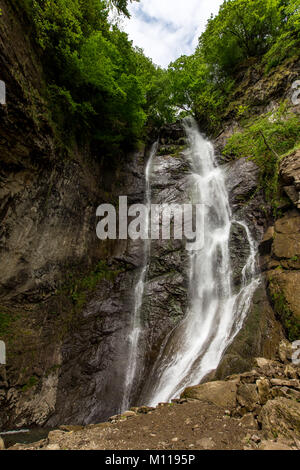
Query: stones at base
[263,387]
[272,445]
[280,417]
[219,393]
[263,362]
[247,396]
[206,443]
[2,446]
[290,372]
[248,421]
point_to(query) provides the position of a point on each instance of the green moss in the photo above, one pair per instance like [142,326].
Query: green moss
[5,323]
[78,288]
[266,140]
[289,321]
[32,382]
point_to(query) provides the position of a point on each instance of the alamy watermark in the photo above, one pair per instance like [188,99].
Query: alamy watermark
[159,221]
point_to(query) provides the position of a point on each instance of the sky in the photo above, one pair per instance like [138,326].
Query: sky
[167,29]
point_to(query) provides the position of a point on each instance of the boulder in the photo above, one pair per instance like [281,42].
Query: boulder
[248,421]
[291,372]
[206,443]
[293,383]
[287,236]
[262,362]
[2,446]
[280,417]
[220,393]
[263,387]
[247,396]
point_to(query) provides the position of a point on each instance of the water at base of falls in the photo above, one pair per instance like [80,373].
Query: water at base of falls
[215,314]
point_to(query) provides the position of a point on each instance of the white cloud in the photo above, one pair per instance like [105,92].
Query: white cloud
[166,29]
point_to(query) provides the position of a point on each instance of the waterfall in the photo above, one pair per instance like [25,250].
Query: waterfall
[215,313]
[136,327]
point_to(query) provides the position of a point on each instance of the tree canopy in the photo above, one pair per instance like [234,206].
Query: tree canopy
[103,87]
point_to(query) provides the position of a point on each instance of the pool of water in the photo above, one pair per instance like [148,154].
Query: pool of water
[23,436]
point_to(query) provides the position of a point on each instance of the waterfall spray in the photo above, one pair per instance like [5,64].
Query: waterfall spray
[215,314]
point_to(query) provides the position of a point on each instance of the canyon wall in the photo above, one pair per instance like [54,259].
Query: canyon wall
[66,298]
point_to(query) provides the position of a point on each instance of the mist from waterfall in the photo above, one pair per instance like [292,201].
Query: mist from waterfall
[215,313]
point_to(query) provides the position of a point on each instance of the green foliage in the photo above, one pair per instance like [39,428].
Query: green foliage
[242,29]
[5,323]
[32,382]
[77,288]
[264,140]
[104,89]
[95,82]
[121,5]
[244,32]
[288,42]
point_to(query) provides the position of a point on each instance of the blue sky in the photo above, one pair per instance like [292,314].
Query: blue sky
[167,29]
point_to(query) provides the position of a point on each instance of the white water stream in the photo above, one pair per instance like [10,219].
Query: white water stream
[215,314]
[136,326]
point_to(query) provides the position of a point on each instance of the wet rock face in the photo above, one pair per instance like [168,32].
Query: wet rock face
[281,252]
[95,351]
[94,356]
[281,264]
[62,360]
[261,332]
[48,203]
[246,198]
[166,289]
[45,226]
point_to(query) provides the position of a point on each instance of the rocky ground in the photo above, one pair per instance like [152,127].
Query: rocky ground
[256,410]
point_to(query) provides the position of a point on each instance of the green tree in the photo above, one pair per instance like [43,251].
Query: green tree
[242,29]
[92,70]
[288,42]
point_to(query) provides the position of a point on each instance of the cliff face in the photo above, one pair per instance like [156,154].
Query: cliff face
[66,299]
[48,201]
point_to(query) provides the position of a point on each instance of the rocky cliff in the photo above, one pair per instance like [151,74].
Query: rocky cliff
[66,299]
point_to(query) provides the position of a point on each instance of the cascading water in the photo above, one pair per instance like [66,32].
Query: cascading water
[136,325]
[215,314]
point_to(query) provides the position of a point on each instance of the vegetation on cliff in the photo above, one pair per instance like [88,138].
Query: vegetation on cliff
[103,87]
[265,140]
[242,34]
[98,84]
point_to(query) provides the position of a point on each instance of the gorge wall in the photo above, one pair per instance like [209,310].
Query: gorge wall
[66,299]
